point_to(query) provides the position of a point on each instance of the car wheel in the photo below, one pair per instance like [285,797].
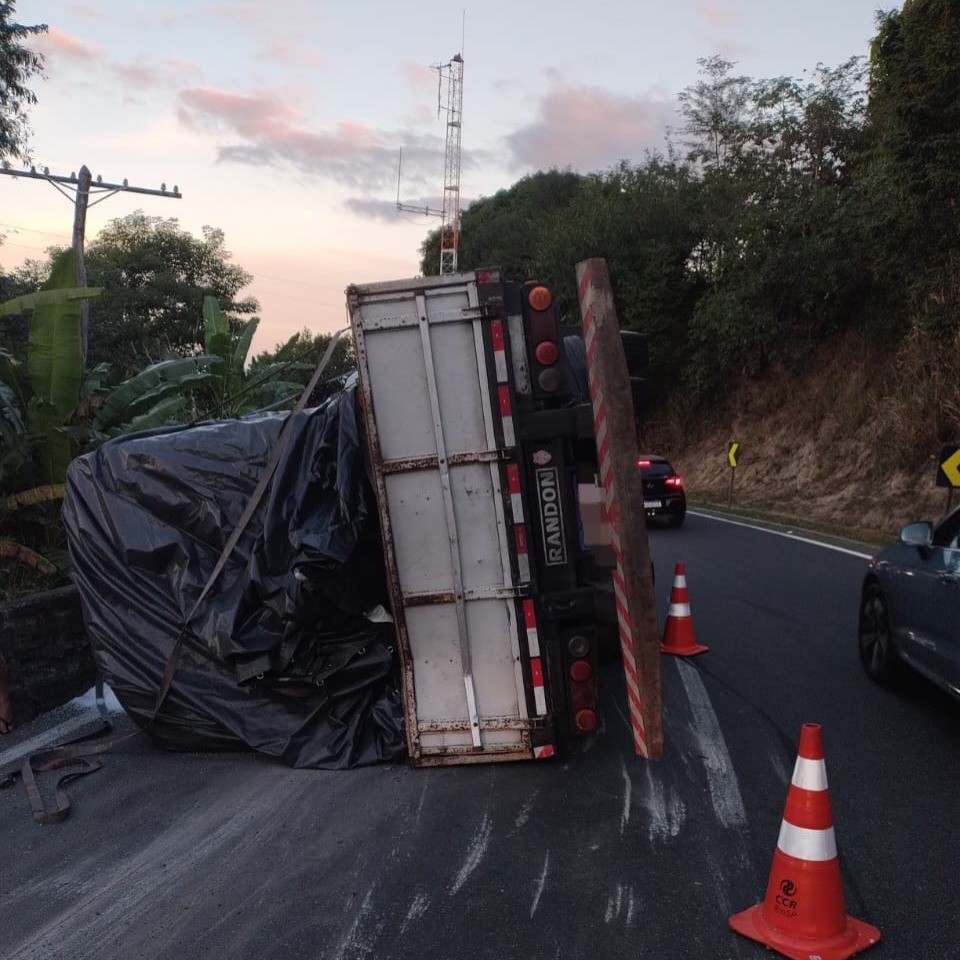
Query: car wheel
[677,521]
[877,652]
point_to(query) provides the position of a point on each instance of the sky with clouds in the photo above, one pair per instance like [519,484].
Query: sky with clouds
[282,123]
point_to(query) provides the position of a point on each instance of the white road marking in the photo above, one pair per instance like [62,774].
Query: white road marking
[789,534]
[721,777]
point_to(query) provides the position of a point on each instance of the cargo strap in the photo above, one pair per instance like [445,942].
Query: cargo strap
[77,753]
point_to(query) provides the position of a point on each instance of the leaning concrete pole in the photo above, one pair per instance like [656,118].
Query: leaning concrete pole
[616,438]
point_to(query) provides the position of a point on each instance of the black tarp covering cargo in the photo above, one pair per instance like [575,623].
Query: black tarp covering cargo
[279,656]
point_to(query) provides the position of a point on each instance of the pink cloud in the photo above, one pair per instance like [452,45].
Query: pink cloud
[270,132]
[419,77]
[184,66]
[56,45]
[590,129]
[89,13]
[287,52]
[717,14]
[136,75]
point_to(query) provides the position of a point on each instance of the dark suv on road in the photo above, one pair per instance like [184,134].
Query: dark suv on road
[663,496]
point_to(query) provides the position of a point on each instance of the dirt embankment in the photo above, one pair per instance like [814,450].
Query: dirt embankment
[851,446]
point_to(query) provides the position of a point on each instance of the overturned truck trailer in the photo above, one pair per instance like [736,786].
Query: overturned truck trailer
[475,426]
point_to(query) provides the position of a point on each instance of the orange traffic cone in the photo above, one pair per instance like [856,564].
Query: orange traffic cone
[678,637]
[803,915]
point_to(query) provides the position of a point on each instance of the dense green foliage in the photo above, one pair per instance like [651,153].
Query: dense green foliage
[786,214]
[154,276]
[18,65]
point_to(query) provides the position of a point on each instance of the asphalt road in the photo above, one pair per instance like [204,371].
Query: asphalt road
[602,856]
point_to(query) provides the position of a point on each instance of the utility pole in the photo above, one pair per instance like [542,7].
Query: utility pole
[83,186]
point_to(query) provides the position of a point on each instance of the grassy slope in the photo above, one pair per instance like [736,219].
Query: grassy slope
[850,448]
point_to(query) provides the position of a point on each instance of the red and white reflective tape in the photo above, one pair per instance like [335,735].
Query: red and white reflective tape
[499,350]
[679,598]
[530,622]
[806,831]
[547,750]
[610,502]
[516,501]
[539,692]
[523,555]
[506,415]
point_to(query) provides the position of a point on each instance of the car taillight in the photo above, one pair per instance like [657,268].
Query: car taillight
[674,481]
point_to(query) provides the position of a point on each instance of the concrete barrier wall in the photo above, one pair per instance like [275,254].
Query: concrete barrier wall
[48,658]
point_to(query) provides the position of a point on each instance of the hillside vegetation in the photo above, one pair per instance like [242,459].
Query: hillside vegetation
[794,260]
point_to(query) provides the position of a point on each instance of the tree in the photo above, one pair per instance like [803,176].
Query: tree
[155,276]
[911,177]
[18,65]
[296,359]
[502,230]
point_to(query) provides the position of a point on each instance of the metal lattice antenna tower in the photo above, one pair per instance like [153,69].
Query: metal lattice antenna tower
[450,226]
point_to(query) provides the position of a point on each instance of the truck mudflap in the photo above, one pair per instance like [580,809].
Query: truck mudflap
[438,397]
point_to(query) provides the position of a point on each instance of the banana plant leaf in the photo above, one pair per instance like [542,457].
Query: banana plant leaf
[55,353]
[136,396]
[31,498]
[45,297]
[159,415]
[54,451]
[11,550]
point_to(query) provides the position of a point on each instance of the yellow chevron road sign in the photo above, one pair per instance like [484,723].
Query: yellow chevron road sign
[733,451]
[948,472]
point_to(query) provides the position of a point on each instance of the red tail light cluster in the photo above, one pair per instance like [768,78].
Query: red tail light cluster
[582,687]
[543,329]
[674,482]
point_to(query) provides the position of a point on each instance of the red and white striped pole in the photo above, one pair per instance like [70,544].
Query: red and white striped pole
[615,435]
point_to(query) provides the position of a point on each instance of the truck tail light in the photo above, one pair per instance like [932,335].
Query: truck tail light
[580,671]
[579,646]
[542,325]
[586,720]
[547,353]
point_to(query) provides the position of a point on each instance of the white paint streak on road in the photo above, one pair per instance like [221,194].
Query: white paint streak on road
[627,796]
[353,943]
[524,815]
[418,907]
[474,855]
[621,904]
[541,883]
[665,818]
[423,795]
[721,777]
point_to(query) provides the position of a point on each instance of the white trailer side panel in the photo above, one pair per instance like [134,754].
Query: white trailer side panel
[432,437]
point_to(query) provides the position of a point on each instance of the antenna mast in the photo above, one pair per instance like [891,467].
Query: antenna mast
[452,73]
[450,227]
